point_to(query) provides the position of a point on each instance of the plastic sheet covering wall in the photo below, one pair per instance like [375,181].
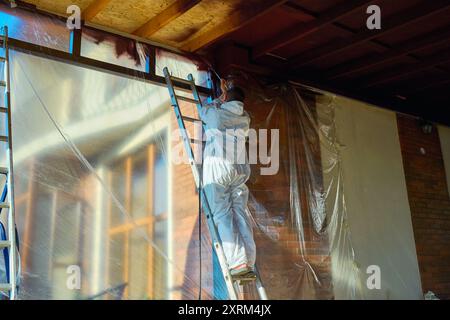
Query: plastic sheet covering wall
[35,28]
[103,212]
[113,49]
[181,66]
[93,195]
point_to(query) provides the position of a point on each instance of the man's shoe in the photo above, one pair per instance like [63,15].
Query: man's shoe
[240,270]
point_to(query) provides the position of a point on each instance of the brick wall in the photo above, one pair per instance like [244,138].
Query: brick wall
[288,271]
[429,202]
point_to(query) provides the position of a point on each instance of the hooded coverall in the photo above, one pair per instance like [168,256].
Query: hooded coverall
[225,172]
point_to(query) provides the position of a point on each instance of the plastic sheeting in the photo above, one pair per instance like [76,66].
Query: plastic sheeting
[104,213]
[83,141]
[92,184]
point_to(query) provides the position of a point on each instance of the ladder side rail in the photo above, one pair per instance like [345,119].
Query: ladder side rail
[182,126]
[217,244]
[10,176]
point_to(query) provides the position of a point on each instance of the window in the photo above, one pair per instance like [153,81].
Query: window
[140,182]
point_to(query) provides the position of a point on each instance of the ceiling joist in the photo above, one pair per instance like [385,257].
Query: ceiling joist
[416,44]
[94,9]
[389,76]
[236,21]
[390,24]
[305,29]
[169,14]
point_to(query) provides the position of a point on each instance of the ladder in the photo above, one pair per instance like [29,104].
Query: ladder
[232,284]
[7,200]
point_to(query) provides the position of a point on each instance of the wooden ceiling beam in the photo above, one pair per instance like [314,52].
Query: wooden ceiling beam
[169,14]
[304,29]
[236,21]
[299,12]
[389,76]
[94,9]
[418,43]
[400,20]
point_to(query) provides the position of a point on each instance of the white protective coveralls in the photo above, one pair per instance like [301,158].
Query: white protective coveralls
[225,172]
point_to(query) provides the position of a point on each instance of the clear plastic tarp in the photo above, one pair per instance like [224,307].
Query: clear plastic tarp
[96,192]
[104,212]
[38,29]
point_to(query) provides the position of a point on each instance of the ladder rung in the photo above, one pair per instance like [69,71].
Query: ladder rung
[188,99]
[5,244]
[2,83]
[5,287]
[181,80]
[4,138]
[4,170]
[3,109]
[190,119]
[4,205]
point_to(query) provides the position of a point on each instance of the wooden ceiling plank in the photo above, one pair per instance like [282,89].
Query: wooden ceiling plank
[400,20]
[418,43]
[169,14]
[432,83]
[235,22]
[304,29]
[385,77]
[94,9]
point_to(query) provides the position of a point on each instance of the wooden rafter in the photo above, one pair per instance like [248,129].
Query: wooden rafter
[390,24]
[418,43]
[236,21]
[389,76]
[94,9]
[169,14]
[304,29]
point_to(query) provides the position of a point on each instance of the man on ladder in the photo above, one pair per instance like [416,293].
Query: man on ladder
[225,172]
